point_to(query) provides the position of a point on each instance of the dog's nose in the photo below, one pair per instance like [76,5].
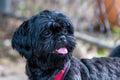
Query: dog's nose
[62,38]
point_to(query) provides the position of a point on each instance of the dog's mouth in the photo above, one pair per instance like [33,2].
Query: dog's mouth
[62,50]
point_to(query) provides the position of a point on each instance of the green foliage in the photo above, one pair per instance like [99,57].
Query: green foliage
[101,52]
[37,10]
[115,30]
[22,8]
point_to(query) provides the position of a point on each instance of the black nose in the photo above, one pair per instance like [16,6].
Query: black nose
[62,38]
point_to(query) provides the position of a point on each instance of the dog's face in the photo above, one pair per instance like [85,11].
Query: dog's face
[47,36]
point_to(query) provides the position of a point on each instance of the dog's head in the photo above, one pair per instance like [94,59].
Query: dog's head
[47,36]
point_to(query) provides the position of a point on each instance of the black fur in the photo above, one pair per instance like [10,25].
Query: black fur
[39,36]
[115,52]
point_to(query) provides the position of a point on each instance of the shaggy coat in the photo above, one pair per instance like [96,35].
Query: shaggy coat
[47,41]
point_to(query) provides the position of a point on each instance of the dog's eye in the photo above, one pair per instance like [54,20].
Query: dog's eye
[47,33]
[65,31]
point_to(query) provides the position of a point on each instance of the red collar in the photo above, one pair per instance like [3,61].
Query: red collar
[59,75]
[62,73]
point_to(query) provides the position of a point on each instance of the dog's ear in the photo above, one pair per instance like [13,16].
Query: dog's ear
[21,40]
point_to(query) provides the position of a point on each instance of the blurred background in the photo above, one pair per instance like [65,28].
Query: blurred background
[96,23]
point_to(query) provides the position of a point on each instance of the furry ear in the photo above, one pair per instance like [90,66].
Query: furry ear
[21,40]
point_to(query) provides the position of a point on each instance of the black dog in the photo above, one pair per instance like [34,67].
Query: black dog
[47,40]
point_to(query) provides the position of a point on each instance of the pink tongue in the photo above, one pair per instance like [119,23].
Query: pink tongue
[62,51]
